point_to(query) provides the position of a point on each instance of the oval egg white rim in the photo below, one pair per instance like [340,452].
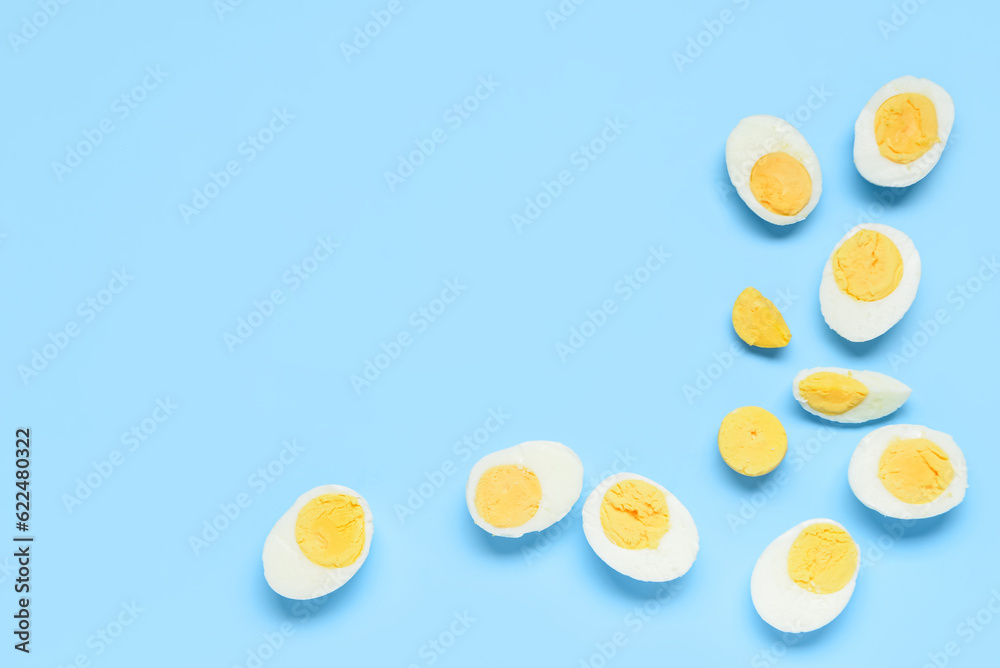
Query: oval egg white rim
[863,376]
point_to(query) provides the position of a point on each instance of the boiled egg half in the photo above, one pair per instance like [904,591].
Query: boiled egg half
[847,396]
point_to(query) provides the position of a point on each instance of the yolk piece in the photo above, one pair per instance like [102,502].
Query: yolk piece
[915,470]
[752,441]
[832,393]
[822,559]
[508,495]
[758,322]
[330,530]
[634,515]
[906,127]
[868,266]
[780,183]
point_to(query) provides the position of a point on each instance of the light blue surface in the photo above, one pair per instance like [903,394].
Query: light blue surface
[662,182]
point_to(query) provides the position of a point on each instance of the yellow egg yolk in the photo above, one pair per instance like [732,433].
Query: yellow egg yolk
[822,559]
[508,495]
[832,393]
[915,470]
[330,530]
[758,322]
[780,183]
[752,441]
[906,127]
[634,515]
[868,266]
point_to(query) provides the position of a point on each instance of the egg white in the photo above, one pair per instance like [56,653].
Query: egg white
[671,559]
[560,474]
[882,171]
[885,395]
[753,138]
[289,571]
[862,473]
[857,320]
[780,601]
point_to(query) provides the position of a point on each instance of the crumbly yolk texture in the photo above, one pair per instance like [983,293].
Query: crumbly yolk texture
[508,495]
[634,515]
[823,558]
[752,441]
[330,530]
[758,322]
[832,393]
[915,470]
[868,266]
[780,183]
[906,127]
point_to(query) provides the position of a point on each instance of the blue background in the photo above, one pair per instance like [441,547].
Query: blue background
[662,182]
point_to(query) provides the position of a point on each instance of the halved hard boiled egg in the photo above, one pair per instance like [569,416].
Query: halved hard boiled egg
[319,543]
[847,396]
[908,472]
[805,578]
[639,528]
[902,131]
[528,487]
[773,169]
[869,281]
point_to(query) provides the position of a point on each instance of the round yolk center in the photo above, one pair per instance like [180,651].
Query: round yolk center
[752,441]
[868,266]
[915,470]
[634,515]
[780,183]
[508,495]
[330,530]
[822,559]
[832,393]
[906,127]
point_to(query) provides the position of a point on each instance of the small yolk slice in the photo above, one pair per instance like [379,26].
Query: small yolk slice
[752,441]
[508,495]
[634,515]
[832,393]
[868,266]
[330,530]
[915,470]
[780,183]
[906,127]
[758,322]
[823,558]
